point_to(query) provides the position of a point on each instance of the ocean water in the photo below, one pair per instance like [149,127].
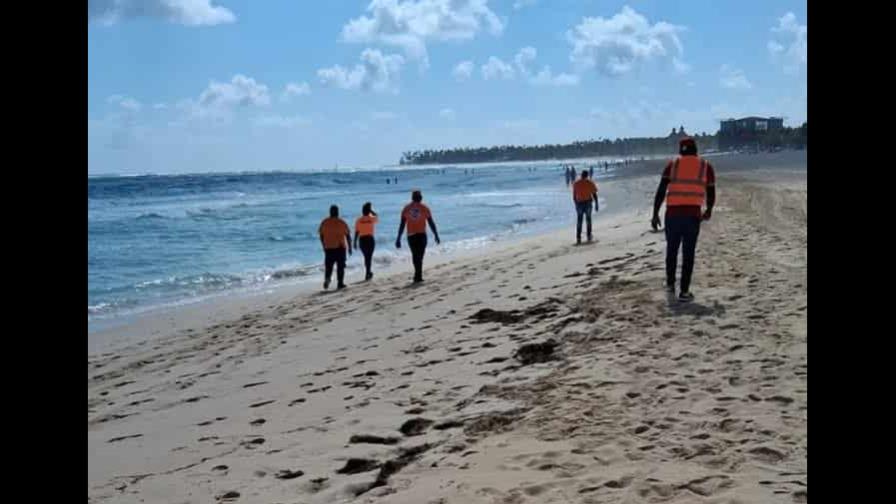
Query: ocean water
[155,241]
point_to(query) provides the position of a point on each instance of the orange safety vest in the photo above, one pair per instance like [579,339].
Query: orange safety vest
[687,182]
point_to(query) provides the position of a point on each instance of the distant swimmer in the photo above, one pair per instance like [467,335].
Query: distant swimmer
[415,216]
[396,180]
[388,181]
[334,237]
[584,191]
[365,227]
[591,171]
[687,182]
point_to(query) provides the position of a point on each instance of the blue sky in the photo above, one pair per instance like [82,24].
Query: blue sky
[193,86]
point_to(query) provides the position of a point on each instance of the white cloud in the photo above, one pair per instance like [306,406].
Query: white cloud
[733,78]
[292,89]
[794,54]
[525,56]
[447,113]
[276,121]
[462,71]
[376,72]
[218,99]
[160,106]
[616,45]
[521,4]
[546,78]
[241,91]
[185,12]
[410,24]
[125,102]
[497,69]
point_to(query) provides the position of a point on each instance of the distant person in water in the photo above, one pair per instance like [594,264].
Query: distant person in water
[388,181]
[584,192]
[687,183]
[591,171]
[334,237]
[365,228]
[415,216]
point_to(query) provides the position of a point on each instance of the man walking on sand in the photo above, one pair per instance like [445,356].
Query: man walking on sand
[584,191]
[687,182]
[415,216]
[335,238]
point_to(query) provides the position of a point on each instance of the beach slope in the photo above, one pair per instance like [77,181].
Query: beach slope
[541,372]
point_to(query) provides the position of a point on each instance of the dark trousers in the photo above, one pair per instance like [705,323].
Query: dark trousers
[367,244]
[334,256]
[417,244]
[681,231]
[583,208]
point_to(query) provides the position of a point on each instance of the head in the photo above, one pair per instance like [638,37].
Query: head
[687,147]
[334,211]
[584,174]
[417,196]
[367,208]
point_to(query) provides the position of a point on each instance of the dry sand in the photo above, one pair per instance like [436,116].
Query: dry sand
[641,400]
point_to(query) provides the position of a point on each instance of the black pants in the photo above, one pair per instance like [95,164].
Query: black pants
[367,244]
[681,230]
[583,208]
[337,256]
[417,244]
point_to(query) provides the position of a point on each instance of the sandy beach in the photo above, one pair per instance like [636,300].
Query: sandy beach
[539,371]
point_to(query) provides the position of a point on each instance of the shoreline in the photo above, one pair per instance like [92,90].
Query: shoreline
[163,320]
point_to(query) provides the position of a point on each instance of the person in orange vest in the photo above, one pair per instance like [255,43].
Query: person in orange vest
[334,237]
[687,183]
[364,231]
[415,215]
[584,191]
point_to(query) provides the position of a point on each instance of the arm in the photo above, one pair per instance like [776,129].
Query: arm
[660,196]
[348,241]
[710,192]
[435,232]
[400,232]
[658,202]
[710,201]
[356,238]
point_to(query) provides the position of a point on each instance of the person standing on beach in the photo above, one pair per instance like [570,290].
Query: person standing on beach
[591,171]
[415,216]
[584,191]
[334,237]
[364,232]
[687,182]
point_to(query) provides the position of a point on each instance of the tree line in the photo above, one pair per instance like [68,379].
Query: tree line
[620,147]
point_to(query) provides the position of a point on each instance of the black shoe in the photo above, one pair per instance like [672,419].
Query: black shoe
[369,276]
[590,239]
[418,279]
[578,241]
[670,287]
[326,284]
[685,297]
[340,286]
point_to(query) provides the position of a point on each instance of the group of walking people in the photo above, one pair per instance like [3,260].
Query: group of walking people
[336,238]
[686,185]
